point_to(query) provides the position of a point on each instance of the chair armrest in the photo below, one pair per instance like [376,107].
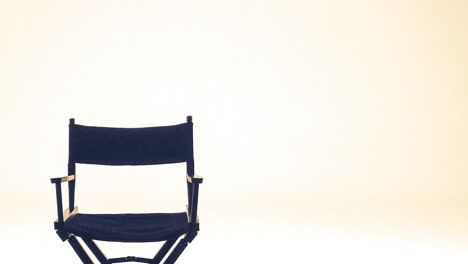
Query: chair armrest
[62,179]
[195,179]
[58,193]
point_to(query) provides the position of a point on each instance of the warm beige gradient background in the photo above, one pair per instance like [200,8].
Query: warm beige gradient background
[327,131]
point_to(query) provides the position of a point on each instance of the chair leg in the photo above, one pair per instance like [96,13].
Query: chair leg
[95,249]
[171,259]
[163,251]
[75,244]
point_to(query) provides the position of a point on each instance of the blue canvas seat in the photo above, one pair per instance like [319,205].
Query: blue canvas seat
[128,227]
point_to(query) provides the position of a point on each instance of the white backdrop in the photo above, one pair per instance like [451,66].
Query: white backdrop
[326,132]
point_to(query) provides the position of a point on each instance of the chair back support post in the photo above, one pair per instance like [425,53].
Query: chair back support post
[190,160]
[189,194]
[190,165]
[71,167]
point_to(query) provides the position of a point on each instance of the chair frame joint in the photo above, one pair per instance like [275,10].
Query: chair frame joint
[62,235]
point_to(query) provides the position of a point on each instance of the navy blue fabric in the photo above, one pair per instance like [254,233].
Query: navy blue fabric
[131,146]
[128,227]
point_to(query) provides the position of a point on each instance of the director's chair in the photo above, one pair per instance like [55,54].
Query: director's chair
[129,146]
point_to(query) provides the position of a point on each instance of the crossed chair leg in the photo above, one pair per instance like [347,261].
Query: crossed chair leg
[165,248]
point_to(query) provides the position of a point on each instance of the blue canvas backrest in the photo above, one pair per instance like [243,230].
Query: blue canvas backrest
[131,146]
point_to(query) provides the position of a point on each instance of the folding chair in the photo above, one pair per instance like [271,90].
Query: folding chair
[129,146]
